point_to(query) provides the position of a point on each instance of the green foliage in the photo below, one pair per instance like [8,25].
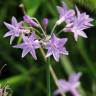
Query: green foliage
[88,4]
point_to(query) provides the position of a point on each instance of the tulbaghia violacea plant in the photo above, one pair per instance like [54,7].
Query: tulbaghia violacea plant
[29,30]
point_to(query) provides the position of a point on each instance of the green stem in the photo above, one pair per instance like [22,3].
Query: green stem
[51,70]
[48,78]
[40,26]
[53,29]
[54,78]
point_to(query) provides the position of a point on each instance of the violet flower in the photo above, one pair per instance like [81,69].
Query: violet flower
[65,14]
[69,86]
[30,21]
[81,22]
[15,29]
[29,45]
[56,47]
[45,23]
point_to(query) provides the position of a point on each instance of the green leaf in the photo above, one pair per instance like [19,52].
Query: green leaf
[31,6]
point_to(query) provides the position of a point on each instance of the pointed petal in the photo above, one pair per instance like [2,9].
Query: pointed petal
[49,53]
[12,38]
[74,78]
[14,21]
[56,55]
[75,36]
[75,92]
[61,11]
[81,33]
[25,51]
[33,54]
[63,87]
[22,46]
[9,26]
[9,33]
[62,41]
[77,10]
[63,51]
[64,6]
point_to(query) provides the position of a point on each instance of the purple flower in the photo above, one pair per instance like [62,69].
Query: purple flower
[30,21]
[45,22]
[15,29]
[65,14]
[82,21]
[70,85]
[56,47]
[29,45]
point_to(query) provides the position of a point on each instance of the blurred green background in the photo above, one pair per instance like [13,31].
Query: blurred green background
[27,77]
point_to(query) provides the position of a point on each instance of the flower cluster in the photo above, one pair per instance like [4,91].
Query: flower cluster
[29,31]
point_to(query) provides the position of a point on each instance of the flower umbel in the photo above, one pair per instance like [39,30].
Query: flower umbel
[56,47]
[69,86]
[29,45]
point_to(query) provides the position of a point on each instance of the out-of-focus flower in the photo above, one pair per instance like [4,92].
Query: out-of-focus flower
[29,45]
[56,47]
[15,29]
[30,21]
[45,22]
[81,22]
[69,86]
[1,92]
[65,14]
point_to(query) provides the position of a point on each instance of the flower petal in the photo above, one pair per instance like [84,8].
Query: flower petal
[25,51]
[74,77]
[14,21]
[33,54]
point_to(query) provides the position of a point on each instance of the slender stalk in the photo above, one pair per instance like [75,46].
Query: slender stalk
[53,29]
[48,78]
[51,71]
[55,78]
[60,32]
[40,26]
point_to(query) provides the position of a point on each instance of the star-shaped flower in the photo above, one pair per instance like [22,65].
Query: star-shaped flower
[15,29]
[56,47]
[69,86]
[65,14]
[29,45]
[82,21]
